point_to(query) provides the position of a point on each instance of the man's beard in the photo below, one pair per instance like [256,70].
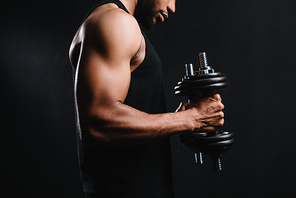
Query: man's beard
[146,13]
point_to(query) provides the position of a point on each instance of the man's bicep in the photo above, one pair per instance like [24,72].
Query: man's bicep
[102,81]
[107,51]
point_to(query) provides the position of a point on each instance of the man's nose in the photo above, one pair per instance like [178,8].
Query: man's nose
[172,6]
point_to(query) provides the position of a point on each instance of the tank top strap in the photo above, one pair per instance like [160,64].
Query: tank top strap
[117,2]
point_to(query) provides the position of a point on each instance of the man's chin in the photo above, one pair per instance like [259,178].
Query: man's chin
[149,25]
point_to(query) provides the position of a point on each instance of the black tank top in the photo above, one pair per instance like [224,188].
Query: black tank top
[138,171]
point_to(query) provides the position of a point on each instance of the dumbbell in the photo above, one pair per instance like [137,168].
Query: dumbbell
[197,84]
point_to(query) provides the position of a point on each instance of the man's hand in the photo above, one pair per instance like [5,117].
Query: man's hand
[206,113]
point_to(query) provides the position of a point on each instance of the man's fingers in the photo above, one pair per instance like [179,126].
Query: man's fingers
[216,121]
[214,126]
[215,108]
[220,115]
[217,97]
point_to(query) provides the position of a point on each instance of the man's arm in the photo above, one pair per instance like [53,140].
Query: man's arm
[101,85]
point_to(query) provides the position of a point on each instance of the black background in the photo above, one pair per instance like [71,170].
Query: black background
[252,42]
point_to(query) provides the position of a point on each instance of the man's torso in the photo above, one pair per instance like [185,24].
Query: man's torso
[138,171]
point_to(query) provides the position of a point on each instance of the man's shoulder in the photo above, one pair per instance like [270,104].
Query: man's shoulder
[109,28]
[109,17]
[111,32]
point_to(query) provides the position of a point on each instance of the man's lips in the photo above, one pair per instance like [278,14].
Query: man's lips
[165,15]
[161,16]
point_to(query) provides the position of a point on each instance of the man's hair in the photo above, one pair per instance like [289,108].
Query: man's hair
[146,13]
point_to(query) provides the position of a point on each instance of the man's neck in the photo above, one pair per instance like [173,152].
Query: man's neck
[130,5]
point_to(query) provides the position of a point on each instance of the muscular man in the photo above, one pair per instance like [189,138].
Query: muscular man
[123,128]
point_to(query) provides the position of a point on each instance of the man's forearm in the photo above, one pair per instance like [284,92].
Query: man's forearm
[123,125]
[117,124]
